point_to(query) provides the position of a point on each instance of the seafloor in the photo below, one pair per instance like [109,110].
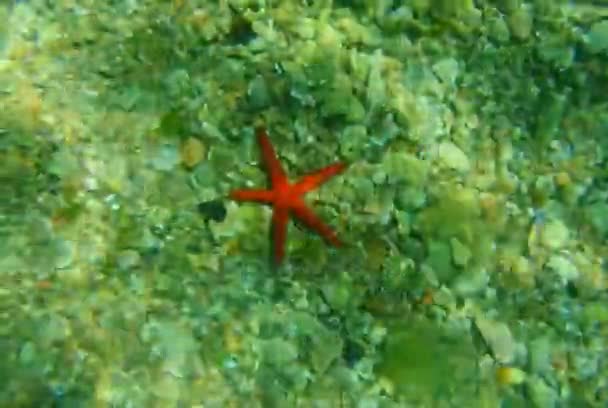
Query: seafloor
[474,211]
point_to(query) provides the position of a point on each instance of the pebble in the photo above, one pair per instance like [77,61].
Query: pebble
[521,23]
[128,259]
[563,267]
[555,235]
[165,158]
[585,364]
[499,338]
[473,280]
[523,271]
[597,37]
[192,152]
[28,353]
[541,394]
[167,389]
[510,375]
[461,254]
[540,355]
[65,253]
[452,157]
[447,70]
[259,93]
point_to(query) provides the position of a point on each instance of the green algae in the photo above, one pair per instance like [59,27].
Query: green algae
[419,354]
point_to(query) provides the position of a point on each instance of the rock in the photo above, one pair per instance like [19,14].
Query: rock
[440,260]
[352,141]
[523,271]
[520,23]
[278,352]
[597,37]
[461,254]
[510,375]
[65,253]
[192,152]
[473,280]
[165,158]
[563,267]
[555,235]
[596,214]
[499,338]
[127,259]
[259,93]
[402,166]
[447,70]
[541,394]
[540,355]
[28,353]
[451,156]
[499,30]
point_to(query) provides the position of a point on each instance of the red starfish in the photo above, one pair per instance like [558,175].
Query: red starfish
[287,198]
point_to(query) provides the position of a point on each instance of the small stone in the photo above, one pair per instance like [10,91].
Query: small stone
[439,259]
[541,394]
[213,210]
[488,202]
[452,157]
[167,389]
[447,70]
[278,352]
[521,22]
[510,375]
[337,295]
[505,151]
[523,271]
[128,259]
[596,214]
[342,103]
[259,93]
[326,348]
[563,267]
[192,152]
[212,131]
[410,198]
[461,254]
[352,141]
[540,355]
[56,328]
[65,253]
[562,179]
[28,353]
[379,176]
[499,30]
[586,364]
[403,166]
[165,158]
[554,235]
[499,338]
[376,85]
[347,379]
[597,37]
[474,280]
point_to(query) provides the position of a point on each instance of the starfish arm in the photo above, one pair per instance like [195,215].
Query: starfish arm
[280,218]
[273,166]
[258,196]
[308,218]
[312,180]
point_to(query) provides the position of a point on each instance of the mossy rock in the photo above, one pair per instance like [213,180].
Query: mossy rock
[419,353]
[454,214]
